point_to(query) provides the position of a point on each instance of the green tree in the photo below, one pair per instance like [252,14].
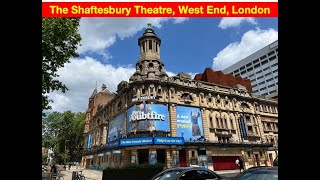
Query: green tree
[60,39]
[64,133]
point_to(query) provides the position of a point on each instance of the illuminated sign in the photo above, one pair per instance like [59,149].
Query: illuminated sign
[147,117]
[113,144]
[145,98]
[136,141]
[168,140]
[189,123]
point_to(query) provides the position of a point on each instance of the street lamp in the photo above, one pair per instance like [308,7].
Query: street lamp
[182,133]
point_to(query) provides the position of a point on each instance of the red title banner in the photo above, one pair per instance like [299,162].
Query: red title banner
[159,9]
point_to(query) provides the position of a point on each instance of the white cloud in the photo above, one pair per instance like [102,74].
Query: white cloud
[234,22]
[251,42]
[80,76]
[100,33]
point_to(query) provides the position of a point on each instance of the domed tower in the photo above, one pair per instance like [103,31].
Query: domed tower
[149,65]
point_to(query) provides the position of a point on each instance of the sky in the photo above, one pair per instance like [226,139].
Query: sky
[109,50]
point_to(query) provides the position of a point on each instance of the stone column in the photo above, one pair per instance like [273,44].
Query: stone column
[260,126]
[134,152]
[169,158]
[237,115]
[214,121]
[205,123]
[173,120]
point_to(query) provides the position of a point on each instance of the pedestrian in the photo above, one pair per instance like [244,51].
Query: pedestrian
[53,169]
[69,165]
[237,162]
[241,165]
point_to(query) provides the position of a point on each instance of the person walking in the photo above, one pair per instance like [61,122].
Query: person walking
[53,169]
[237,163]
[241,165]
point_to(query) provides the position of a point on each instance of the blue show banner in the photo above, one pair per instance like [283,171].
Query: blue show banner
[89,141]
[116,128]
[189,123]
[113,144]
[169,140]
[136,141]
[147,117]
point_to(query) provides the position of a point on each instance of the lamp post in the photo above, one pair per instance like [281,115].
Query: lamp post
[182,133]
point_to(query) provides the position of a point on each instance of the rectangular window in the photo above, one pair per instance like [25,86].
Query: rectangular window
[265,68]
[264,62]
[270,53]
[253,80]
[248,65]
[255,61]
[263,88]
[243,72]
[258,72]
[150,44]
[237,75]
[260,77]
[268,74]
[271,85]
[251,75]
[268,80]
[242,68]
[272,58]
[263,57]
[272,91]
[262,82]
[264,94]
[249,69]
[275,64]
[156,47]
[254,85]
[276,77]
[275,71]
[256,66]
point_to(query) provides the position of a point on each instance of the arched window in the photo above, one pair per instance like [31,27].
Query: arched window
[211,124]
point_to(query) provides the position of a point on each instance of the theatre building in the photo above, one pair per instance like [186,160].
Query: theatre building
[208,121]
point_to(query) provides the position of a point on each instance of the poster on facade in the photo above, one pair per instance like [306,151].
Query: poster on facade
[189,123]
[175,160]
[242,127]
[89,141]
[147,117]
[116,128]
[153,159]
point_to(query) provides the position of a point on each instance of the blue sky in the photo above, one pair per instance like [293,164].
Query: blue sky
[109,50]
[191,44]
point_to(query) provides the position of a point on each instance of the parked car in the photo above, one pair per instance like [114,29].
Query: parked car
[261,173]
[187,173]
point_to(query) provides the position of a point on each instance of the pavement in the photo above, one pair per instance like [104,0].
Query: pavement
[88,174]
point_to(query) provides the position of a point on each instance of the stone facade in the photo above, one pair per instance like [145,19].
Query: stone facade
[221,107]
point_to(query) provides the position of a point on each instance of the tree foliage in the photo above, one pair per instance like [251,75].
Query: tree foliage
[60,39]
[63,132]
